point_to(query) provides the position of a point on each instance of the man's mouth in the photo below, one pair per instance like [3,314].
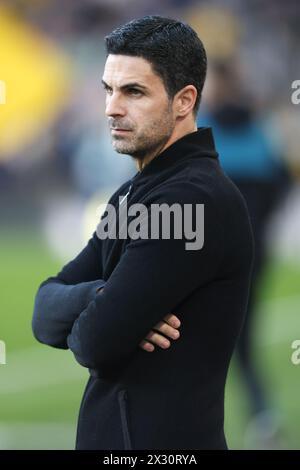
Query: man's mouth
[119,130]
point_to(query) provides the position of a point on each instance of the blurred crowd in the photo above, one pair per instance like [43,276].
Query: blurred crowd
[53,132]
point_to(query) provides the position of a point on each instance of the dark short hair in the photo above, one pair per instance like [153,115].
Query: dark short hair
[173,48]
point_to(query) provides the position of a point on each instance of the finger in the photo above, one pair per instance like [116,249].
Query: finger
[167,330]
[158,340]
[172,320]
[147,346]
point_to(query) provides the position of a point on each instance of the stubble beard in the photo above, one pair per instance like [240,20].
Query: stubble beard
[149,141]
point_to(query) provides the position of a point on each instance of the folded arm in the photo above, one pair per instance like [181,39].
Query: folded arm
[60,299]
[152,277]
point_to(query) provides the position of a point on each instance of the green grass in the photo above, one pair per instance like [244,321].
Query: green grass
[41,385]
[25,263]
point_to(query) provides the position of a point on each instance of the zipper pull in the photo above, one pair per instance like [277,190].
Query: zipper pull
[127,194]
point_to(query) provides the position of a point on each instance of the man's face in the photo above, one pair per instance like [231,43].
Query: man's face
[138,108]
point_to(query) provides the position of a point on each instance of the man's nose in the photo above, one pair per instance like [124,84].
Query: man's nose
[114,106]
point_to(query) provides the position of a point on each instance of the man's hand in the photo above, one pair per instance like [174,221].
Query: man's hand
[168,327]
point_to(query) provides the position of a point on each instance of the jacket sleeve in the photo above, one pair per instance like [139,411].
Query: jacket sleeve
[152,277]
[60,299]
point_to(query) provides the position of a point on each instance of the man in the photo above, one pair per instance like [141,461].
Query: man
[121,296]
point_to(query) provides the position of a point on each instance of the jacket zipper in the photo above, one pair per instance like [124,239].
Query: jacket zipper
[122,396]
[126,195]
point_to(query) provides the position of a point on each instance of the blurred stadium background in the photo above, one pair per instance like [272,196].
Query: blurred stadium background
[57,166]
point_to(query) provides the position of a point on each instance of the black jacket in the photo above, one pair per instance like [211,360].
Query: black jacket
[173,398]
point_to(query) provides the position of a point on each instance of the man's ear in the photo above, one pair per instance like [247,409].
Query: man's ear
[184,100]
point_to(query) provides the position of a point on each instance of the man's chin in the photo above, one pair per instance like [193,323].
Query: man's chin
[126,151]
[122,149]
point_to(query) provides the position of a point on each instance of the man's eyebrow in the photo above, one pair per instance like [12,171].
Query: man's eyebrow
[128,85]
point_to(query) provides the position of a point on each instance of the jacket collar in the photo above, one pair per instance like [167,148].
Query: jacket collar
[193,145]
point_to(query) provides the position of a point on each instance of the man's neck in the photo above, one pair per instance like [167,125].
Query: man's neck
[177,134]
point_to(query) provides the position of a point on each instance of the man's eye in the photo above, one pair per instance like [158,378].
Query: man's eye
[134,91]
[108,91]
